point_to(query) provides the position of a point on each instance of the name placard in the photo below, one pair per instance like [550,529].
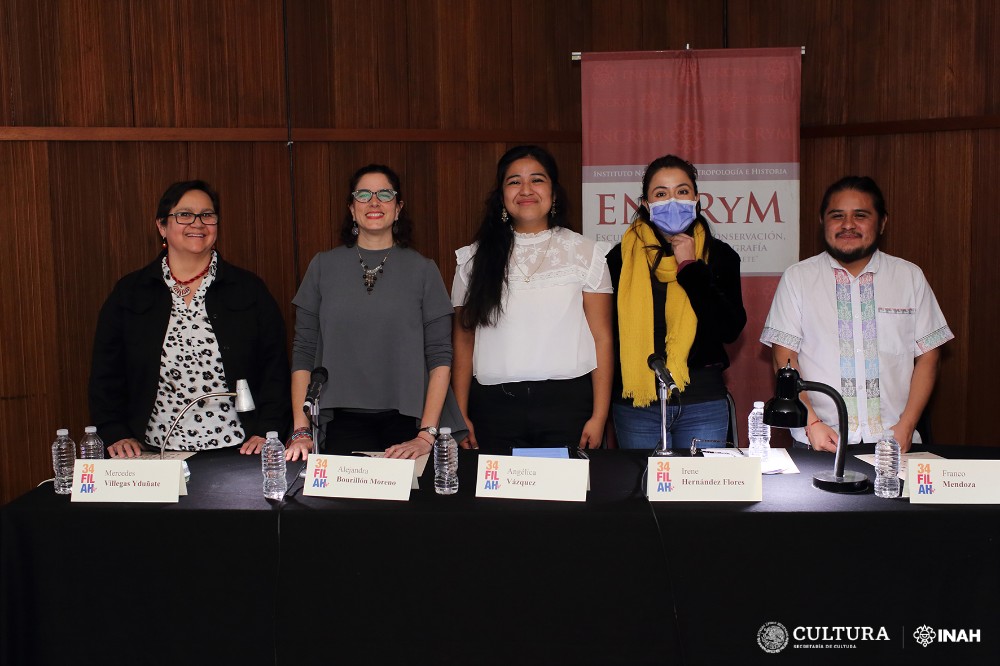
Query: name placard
[533,478]
[703,480]
[127,480]
[358,477]
[954,481]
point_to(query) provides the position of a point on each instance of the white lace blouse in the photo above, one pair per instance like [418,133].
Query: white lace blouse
[543,332]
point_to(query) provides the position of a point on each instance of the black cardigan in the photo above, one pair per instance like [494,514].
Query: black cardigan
[125,370]
[717,300]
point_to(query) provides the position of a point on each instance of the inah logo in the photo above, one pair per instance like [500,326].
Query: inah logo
[924,635]
[772,637]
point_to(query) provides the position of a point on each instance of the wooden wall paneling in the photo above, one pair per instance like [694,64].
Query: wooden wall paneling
[31,384]
[986,65]
[229,60]
[475,75]
[93,70]
[348,63]
[983,367]
[870,61]
[24,56]
[423,52]
[653,25]
[546,90]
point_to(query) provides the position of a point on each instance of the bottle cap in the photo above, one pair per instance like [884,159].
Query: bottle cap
[62,432]
[272,434]
[90,429]
[444,431]
[758,403]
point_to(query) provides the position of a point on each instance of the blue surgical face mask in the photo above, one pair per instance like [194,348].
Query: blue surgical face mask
[673,216]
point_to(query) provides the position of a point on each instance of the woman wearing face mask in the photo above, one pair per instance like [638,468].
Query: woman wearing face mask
[677,295]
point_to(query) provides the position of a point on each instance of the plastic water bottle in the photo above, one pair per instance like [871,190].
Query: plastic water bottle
[272,463]
[887,466]
[63,455]
[445,463]
[759,432]
[91,446]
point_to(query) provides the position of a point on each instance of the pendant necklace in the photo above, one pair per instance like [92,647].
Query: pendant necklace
[370,275]
[527,276]
[181,287]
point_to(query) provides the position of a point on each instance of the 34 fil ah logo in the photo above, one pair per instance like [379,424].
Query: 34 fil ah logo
[772,637]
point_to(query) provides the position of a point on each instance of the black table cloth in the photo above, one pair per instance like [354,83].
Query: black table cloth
[227,577]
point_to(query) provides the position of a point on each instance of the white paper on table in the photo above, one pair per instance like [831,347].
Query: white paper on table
[904,459]
[167,455]
[778,461]
[418,465]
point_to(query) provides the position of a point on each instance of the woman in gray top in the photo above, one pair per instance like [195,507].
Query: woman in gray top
[376,315]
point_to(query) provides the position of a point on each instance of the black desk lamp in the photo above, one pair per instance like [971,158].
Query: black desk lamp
[785,410]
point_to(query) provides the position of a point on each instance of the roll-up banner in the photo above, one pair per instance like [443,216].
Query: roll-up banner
[733,113]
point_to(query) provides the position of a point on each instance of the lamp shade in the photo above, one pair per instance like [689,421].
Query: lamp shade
[244,401]
[785,410]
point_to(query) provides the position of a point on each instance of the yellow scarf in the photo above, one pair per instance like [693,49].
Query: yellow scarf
[635,313]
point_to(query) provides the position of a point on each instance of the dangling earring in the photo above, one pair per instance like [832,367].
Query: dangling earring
[552,211]
[395,227]
[354,229]
[504,217]
[163,242]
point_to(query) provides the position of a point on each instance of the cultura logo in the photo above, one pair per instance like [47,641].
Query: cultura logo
[772,637]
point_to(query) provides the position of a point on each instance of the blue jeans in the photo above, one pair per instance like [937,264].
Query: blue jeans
[639,427]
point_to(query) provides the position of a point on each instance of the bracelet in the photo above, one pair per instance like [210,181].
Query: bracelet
[813,423]
[424,440]
[299,432]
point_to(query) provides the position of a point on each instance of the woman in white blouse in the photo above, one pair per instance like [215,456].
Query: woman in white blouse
[532,333]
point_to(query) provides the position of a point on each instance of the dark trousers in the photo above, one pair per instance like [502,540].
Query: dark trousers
[367,431]
[530,414]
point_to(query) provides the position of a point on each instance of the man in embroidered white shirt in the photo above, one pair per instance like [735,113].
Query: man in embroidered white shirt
[862,321]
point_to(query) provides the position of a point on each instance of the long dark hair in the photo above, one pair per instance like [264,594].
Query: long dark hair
[402,229]
[642,213]
[484,300]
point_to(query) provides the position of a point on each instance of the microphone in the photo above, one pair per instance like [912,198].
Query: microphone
[658,365]
[319,377]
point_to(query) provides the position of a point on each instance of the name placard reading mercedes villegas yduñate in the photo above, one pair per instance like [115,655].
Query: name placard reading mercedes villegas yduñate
[124,480]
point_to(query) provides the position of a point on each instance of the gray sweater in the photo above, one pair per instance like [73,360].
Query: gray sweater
[378,347]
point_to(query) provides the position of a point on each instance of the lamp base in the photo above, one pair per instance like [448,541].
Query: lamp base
[851,482]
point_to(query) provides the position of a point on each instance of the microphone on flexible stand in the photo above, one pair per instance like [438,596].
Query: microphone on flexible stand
[659,366]
[667,387]
[311,407]
[319,377]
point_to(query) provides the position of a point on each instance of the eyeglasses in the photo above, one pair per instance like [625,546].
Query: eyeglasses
[364,196]
[184,217]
